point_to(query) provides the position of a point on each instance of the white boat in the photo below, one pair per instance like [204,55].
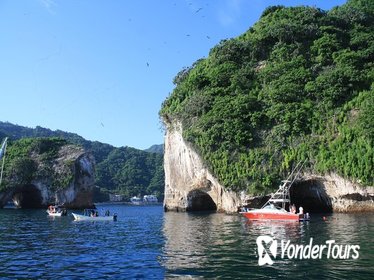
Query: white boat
[93,215]
[150,199]
[56,211]
[136,200]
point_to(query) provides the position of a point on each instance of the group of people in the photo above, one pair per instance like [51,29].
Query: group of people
[293,209]
[95,213]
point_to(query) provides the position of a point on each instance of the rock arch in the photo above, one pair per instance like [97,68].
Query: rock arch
[27,196]
[198,200]
[311,195]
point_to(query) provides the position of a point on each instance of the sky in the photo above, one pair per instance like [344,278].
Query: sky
[102,68]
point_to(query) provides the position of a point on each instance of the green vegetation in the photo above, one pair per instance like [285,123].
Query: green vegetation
[131,172]
[31,158]
[297,85]
[125,170]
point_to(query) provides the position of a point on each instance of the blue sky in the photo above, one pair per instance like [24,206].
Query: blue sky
[101,69]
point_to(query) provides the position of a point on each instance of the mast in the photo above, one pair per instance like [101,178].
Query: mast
[282,195]
[2,156]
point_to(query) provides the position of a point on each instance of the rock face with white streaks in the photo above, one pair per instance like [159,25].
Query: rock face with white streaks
[190,186]
[67,180]
[332,193]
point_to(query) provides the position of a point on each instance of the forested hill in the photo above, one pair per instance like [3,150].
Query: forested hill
[297,85]
[124,170]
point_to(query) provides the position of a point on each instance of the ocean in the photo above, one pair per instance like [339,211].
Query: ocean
[146,243]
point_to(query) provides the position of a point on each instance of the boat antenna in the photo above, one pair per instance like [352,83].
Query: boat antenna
[298,170]
[282,195]
[2,156]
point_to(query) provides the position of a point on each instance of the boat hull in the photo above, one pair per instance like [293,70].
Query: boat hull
[265,215]
[56,214]
[79,217]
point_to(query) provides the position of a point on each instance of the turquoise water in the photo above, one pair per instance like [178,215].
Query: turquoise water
[146,243]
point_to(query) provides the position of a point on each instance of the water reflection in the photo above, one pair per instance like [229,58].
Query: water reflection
[280,230]
[219,245]
[147,243]
[206,245]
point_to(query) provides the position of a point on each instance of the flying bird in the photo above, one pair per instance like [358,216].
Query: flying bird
[198,10]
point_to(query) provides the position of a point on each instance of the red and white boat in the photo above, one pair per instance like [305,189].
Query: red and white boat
[275,207]
[271,212]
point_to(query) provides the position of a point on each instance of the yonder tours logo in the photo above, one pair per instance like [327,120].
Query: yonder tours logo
[267,248]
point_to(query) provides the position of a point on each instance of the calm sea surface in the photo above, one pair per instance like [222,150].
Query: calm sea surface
[146,243]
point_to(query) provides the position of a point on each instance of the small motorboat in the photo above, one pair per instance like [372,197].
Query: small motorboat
[272,212]
[56,211]
[275,207]
[93,215]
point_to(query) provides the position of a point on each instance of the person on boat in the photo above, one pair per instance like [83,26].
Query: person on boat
[301,210]
[52,209]
[293,209]
[107,213]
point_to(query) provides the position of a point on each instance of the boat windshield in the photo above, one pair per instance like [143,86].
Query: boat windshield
[270,206]
[273,206]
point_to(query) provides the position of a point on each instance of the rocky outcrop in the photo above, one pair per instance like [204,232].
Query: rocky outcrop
[66,180]
[189,185]
[332,193]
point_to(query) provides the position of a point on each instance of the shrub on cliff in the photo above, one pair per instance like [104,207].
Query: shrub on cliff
[33,158]
[297,85]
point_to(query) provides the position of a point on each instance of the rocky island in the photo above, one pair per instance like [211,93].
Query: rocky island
[297,86]
[43,171]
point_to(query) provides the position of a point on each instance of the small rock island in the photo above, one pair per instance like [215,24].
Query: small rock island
[43,171]
[296,86]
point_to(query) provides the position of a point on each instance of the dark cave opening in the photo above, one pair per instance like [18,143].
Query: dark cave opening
[200,201]
[27,196]
[311,195]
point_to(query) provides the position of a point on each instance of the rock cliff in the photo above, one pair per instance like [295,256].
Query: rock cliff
[333,193]
[190,186]
[66,179]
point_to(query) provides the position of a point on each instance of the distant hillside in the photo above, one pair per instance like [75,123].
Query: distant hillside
[156,149]
[124,170]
